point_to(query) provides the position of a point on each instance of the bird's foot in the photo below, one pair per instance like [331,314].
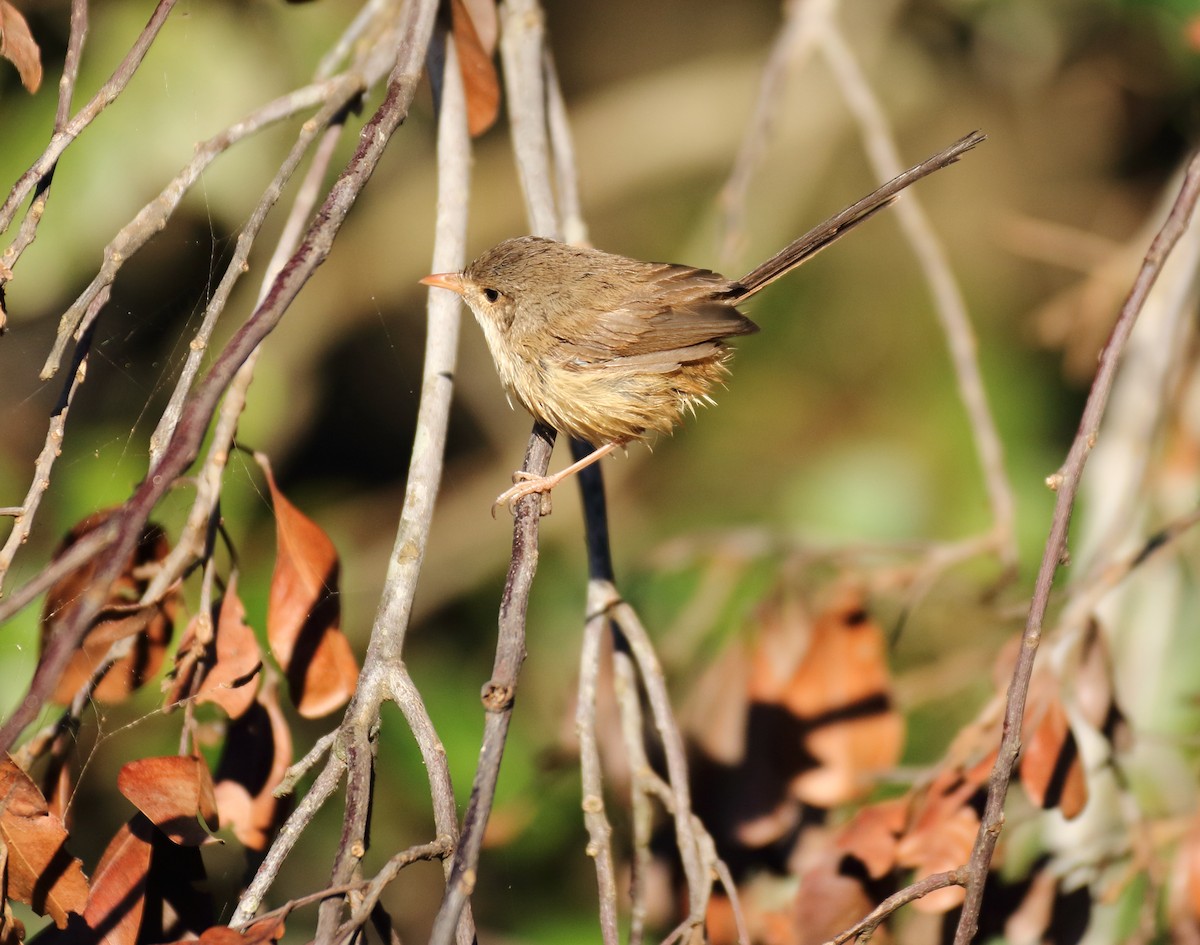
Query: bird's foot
[525,483]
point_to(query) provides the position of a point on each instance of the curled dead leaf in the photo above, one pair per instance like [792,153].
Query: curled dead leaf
[175,793]
[118,900]
[304,613]
[942,834]
[842,691]
[873,834]
[41,873]
[480,81]
[18,46]
[122,618]
[1051,770]
[258,751]
[223,647]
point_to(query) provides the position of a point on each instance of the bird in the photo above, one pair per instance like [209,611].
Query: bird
[608,349]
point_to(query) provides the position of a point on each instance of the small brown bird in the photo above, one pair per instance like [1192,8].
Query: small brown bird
[609,349]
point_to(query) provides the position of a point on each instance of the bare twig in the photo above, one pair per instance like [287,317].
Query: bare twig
[66,92]
[522,45]
[1066,483]
[51,450]
[865,928]
[63,137]
[594,817]
[698,882]
[499,692]
[322,789]
[795,42]
[949,303]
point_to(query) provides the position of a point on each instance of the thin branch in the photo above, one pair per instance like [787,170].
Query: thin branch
[595,819]
[522,45]
[793,44]
[322,789]
[66,92]
[51,450]
[950,306]
[300,768]
[686,838]
[1066,483]
[383,672]
[566,173]
[373,889]
[500,691]
[866,926]
[104,97]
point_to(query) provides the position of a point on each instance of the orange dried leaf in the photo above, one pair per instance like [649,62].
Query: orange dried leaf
[18,46]
[41,872]
[827,902]
[1051,770]
[486,22]
[230,681]
[303,612]
[941,836]
[121,618]
[118,896]
[175,793]
[842,690]
[872,835]
[258,751]
[261,932]
[480,81]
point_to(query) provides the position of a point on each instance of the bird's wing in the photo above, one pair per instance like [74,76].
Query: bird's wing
[678,315]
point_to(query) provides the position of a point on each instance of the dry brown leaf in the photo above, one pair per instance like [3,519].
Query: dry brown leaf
[827,902]
[872,835]
[303,612]
[842,690]
[261,932]
[943,833]
[175,793]
[118,897]
[480,81]
[230,681]
[258,751]
[224,646]
[12,929]
[41,872]
[18,46]
[1051,770]
[120,618]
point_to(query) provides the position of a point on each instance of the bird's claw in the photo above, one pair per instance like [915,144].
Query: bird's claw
[526,483]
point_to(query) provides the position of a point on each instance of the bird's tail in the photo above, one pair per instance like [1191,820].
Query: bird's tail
[823,234]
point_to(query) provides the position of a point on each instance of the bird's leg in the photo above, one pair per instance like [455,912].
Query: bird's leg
[527,483]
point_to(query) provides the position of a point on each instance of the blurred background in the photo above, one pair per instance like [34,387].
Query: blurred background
[841,426]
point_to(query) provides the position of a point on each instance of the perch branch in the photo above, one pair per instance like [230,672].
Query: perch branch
[499,692]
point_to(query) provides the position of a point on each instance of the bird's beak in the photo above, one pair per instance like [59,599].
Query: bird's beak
[445,280]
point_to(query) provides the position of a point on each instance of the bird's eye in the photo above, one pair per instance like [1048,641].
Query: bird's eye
[492,295]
